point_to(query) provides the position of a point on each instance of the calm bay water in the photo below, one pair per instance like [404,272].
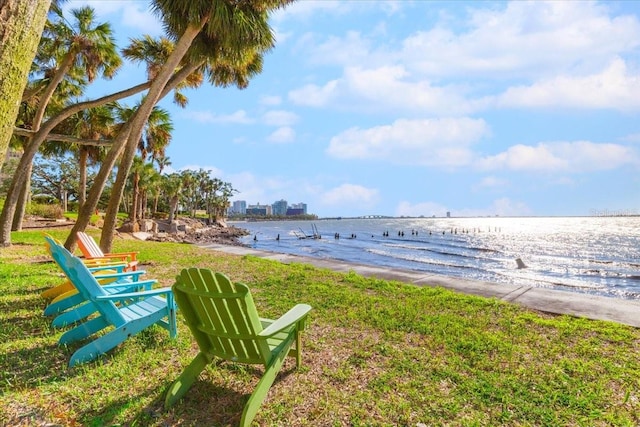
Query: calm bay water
[599,255]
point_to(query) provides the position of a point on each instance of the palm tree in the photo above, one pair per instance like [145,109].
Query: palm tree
[162,161]
[236,26]
[154,53]
[172,187]
[149,178]
[156,136]
[84,45]
[96,124]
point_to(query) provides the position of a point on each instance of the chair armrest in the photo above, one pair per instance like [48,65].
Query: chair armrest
[291,317]
[134,274]
[98,268]
[121,255]
[128,295]
[99,262]
[144,283]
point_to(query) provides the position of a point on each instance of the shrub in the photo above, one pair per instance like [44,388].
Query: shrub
[45,211]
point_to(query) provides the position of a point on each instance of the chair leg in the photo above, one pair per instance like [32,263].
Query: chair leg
[111,339]
[263,386]
[171,318]
[97,347]
[74,315]
[57,290]
[186,379]
[298,349]
[57,306]
[83,330]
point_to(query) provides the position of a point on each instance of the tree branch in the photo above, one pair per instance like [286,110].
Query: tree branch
[64,138]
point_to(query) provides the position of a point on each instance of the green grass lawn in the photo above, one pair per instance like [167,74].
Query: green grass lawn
[376,353]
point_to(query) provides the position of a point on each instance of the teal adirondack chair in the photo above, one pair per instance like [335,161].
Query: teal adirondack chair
[75,307]
[224,322]
[136,311]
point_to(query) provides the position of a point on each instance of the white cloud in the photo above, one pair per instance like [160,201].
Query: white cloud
[282,135]
[349,50]
[314,95]
[420,209]
[491,182]
[271,100]
[579,156]
[634,137]
[239,117]
[434,142]
[257,189]
[525,38]
[511,40]
[508,207]
[303,10]
[613,88]
[501,207]
[388,88]
[280,118]
[550,51]
[352,195]
[135,15]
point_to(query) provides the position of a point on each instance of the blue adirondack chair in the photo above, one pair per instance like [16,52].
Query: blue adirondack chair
[224,322]
[136,311]
[72,306]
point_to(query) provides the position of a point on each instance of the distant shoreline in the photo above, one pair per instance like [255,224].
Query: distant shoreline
[369,217]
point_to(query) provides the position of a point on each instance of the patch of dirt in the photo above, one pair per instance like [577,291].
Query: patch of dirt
[31,222]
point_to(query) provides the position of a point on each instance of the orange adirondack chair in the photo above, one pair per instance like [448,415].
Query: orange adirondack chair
[91,250]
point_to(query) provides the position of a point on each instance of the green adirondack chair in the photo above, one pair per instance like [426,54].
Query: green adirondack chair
[224,322]
[114,323]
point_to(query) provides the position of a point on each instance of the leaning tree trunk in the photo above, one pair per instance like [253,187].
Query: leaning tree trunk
[82,178]
[144,201]
[135,198]
[23,201]
[25,188]
[155,93]
[31,149]
[21,25]
[173,207]
[100,180]
[117,190]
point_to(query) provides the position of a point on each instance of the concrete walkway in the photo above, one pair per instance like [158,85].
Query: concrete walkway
[548,300]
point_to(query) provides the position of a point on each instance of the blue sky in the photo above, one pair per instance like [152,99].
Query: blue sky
[422,107]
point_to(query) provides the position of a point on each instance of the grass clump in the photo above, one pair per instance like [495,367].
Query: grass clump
[376,353]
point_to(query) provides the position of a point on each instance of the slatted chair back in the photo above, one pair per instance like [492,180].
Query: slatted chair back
[88,245]
[222,316]
[91,250]
[86,283]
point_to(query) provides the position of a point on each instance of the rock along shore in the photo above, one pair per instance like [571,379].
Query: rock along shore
[182,230]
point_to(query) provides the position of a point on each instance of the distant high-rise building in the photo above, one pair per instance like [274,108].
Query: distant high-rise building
[448,214]
[294,212]
[239,207]
[280,207]
[259,209]
[300,206]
